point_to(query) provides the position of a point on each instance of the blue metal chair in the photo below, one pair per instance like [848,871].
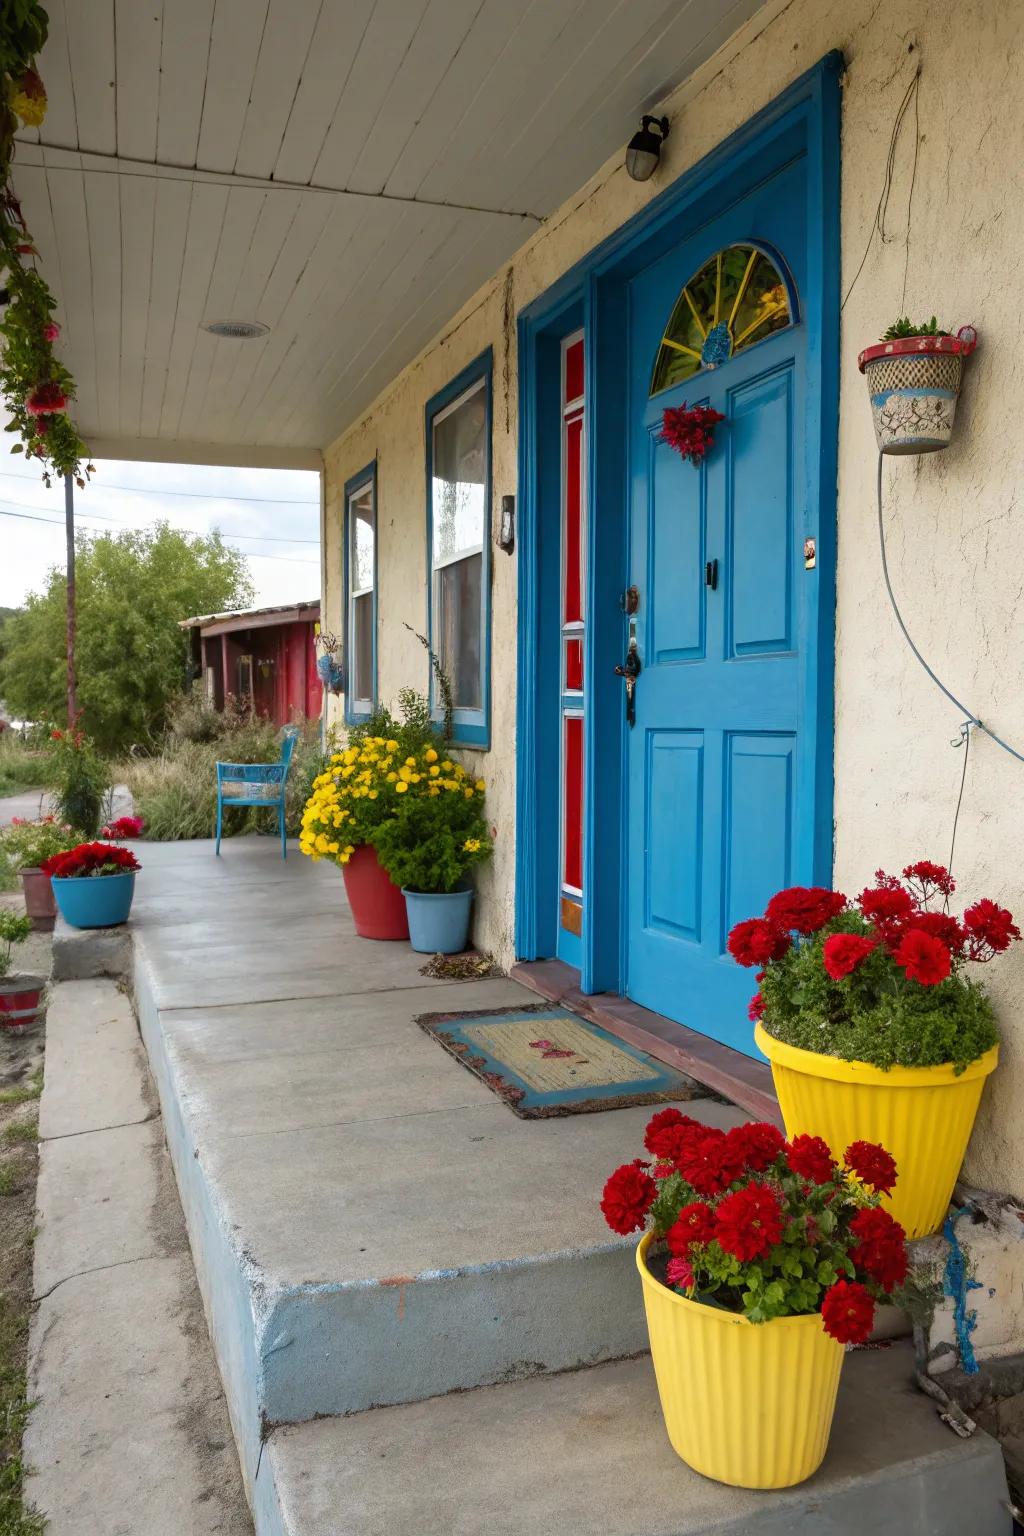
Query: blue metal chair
[256,784]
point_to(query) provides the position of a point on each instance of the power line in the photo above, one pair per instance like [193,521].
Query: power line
[250,554]
[263,538]
[144,490]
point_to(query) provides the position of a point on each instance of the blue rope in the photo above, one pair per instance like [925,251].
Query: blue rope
[956,1284]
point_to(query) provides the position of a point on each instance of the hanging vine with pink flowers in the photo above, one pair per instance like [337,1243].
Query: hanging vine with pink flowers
[36,387]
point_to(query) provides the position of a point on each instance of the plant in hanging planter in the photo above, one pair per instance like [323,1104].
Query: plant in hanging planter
[93,884]
[36,387]
[766,1257]
[24,847]
[873,1020]
[329,666]
[689,430]
[913,377]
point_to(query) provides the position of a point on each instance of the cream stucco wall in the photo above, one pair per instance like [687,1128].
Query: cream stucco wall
[954,518]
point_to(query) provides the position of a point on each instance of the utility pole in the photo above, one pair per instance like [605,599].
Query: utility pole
[69,525]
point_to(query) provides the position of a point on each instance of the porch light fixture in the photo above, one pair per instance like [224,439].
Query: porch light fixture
[237,330]
[644,149]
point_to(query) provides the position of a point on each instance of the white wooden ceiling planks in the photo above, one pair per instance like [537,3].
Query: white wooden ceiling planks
[346,172]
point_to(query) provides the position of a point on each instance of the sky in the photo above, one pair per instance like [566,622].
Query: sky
[272,515]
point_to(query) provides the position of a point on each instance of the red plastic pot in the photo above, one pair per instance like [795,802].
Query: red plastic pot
[39,903]
[378,906]
[17,1009]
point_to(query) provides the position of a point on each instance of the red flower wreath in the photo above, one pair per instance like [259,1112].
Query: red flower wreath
[690,430]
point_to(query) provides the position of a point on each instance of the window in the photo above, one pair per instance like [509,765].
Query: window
[458,432]
[737,298]
[361,594]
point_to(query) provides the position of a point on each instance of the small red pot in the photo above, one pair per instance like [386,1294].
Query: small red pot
[39,903]
[18,1009]
[378,906]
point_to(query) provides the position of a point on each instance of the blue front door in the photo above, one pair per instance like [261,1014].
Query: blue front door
[723,758]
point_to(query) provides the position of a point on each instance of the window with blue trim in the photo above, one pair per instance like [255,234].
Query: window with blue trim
[458,431]
[361,594]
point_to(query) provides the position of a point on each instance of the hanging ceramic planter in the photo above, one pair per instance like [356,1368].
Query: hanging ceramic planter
[914,383]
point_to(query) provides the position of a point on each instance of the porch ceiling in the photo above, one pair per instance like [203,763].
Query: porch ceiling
[346,172]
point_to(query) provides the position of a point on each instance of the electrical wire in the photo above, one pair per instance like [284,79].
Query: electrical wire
[971,719]
[261,538]
[144,490]
[250,554]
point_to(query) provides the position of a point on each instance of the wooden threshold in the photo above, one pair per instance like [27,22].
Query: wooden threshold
[740,1078]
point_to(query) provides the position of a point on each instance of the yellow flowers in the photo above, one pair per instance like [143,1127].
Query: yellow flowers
[359,790]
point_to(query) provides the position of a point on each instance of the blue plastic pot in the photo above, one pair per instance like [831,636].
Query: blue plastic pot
[94,901]
[438,924]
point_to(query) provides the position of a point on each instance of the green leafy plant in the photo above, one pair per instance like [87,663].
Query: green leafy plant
[766,1228]
[36,386]
[884,979]
[14,929]
[434,839]
[904,327]
[82,780]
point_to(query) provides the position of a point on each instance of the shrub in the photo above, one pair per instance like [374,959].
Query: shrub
[13,930]
[881,980]
[81,780]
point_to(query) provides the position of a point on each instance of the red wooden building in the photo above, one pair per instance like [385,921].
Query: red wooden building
[264,657]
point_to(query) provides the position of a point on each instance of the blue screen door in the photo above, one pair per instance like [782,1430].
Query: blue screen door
[721,756]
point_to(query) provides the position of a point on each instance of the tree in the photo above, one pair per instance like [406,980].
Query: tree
[131,656]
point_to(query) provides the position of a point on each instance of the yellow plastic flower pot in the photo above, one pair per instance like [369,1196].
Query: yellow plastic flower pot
[922,1115]
[749,1404]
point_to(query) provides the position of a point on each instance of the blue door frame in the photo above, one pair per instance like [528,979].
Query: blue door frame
[801,124]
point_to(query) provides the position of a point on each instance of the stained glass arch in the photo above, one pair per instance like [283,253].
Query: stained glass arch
[738,297]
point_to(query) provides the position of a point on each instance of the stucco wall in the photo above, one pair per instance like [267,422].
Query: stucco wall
[953,518]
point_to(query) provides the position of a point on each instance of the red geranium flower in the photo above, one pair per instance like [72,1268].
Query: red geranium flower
[124,826]
[755,1008]
[90,859]
[811,1158]
[748,1222]
[848,1312]
[665,1120]
[880,1250]
[679,1274]
[694,1224]
[758,1144]
[756,941]
[992,924]
[628,1196]
[924,958]
[872,1164]
[843,952]
[707,1161]
[941,925]
[924,873]
[804,908]
[882,904]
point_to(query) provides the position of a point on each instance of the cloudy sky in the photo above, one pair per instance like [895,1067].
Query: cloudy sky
[273,515]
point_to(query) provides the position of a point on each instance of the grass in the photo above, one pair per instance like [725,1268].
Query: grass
[22,768]
[24,1091]
[8,1179]
[15,1519]
[21,1130]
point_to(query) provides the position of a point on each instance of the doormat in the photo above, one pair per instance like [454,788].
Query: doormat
[546,1061]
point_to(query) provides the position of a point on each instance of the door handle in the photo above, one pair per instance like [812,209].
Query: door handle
[630,670]
[711,575]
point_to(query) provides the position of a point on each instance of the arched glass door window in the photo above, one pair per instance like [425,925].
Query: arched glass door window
[737,298]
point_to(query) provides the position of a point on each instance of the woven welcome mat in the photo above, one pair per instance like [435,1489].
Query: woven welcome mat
[545,1061]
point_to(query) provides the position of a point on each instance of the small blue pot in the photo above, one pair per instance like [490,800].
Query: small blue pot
[438,924]
[94,901]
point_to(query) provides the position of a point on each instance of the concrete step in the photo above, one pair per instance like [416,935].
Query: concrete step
[585,1454]
[370,1224]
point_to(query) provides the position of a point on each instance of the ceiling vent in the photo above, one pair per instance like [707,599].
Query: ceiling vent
[237,330]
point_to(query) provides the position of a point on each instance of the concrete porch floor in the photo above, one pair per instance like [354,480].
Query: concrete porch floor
[373,1228]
